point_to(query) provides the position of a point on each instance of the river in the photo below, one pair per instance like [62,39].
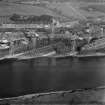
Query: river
[19,77]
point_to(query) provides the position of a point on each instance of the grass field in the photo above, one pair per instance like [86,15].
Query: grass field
[64,8]
[78,10]
[9,8]
[95,8]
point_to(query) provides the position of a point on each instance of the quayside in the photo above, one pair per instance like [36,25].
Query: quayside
[18,57]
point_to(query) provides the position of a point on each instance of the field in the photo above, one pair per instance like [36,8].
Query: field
[70,9]
[61,0]
[94,8]
[9,8]
[79,10]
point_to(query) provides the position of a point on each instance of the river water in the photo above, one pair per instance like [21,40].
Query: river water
[50,74]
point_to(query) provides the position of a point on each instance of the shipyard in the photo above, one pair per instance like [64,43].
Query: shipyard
[52,52]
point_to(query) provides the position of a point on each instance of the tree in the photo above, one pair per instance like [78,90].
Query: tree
[15,17]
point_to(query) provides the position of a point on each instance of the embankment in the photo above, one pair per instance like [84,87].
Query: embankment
[87,96]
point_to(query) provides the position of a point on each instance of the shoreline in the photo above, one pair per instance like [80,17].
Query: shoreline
[72,97]
[54,56]
[81,55]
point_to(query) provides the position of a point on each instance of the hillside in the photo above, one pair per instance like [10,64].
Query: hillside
[60,9]
[61,0]
[9,8]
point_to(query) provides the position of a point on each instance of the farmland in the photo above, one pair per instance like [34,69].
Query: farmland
[70,9]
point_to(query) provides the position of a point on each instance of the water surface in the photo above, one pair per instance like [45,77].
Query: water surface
[50,74]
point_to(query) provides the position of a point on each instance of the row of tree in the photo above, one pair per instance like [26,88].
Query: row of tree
[45,19]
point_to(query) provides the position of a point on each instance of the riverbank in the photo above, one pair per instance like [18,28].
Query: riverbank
[86,96]
[79,55]
[20,57]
